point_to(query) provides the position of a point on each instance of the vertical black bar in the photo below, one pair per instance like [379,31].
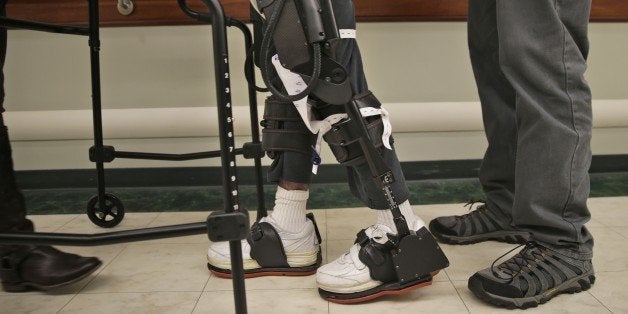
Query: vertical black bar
[227,143]
[94,54]
[249,67]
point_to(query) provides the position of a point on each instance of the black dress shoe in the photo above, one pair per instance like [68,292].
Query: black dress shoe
[43,268]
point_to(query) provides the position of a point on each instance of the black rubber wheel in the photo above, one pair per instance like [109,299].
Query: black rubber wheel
[110,216]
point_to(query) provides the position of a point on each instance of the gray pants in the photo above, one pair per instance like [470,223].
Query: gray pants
[529,58]
[296,167]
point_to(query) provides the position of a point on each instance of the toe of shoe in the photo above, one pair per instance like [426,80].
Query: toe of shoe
[481,282]
[88,265]
[334,280]
[218,251]
[443,225]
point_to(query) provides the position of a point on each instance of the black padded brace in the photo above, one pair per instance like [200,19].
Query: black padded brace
[266,246]
[344,138]
[277,136]
[289,39]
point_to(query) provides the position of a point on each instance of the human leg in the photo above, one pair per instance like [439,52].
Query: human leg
[354,277]
[543,47]
[546,61]
[490,221]
[27,267]
[295,249]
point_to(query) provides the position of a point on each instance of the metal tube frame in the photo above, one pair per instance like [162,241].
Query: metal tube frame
[227,145]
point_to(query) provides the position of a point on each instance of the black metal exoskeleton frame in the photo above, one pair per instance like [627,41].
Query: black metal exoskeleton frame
[106,210]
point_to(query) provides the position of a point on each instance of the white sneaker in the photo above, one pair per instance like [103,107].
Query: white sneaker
[301,248]
[347,274]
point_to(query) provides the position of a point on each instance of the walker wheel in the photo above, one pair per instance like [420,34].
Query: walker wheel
[110,216]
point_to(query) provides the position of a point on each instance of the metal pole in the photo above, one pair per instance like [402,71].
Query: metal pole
[94,54]
[227,143]
[250,68]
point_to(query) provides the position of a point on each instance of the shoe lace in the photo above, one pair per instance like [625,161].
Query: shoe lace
[472,202]
[478,209]
[516,265]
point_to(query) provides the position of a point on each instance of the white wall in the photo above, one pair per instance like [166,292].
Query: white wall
[421,68]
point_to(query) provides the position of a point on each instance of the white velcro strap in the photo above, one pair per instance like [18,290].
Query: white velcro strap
[370,111]
[347,33]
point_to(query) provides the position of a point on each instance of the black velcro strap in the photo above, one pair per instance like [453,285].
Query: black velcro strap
[287,140]
[343,134]
[378,259]
[283,128]
[361,238]
[266,246]
[367,99]
[279,110]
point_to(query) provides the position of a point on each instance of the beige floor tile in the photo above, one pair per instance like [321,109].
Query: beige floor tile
[306,301]
[177,218]
[345,223]
[154,302]
[33,303]
[607,210]
[610,289]
[51,222]
[168,275]
[610,252]
[466,260]
[82,224]
[566,303]
[154,267]
[621,230]
[440,297]
[264,283]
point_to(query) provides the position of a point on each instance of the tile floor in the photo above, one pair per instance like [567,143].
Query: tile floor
[169,275]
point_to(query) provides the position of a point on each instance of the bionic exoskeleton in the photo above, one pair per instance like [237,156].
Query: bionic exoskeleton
[300,53]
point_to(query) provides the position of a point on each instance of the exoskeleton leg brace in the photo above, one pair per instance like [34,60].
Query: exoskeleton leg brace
[298,60]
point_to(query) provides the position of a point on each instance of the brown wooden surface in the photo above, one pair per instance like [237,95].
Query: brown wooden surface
[167,12]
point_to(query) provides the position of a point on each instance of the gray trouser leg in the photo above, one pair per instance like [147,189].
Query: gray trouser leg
[291,166]
[497,172]
[542,49]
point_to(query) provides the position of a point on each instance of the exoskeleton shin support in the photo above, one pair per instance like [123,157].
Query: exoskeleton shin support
[344,140]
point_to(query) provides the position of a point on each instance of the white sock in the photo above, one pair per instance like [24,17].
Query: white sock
[385,217]
[289,210]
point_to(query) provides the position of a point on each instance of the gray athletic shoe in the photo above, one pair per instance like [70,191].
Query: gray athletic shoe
[531,277]
[479,225]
